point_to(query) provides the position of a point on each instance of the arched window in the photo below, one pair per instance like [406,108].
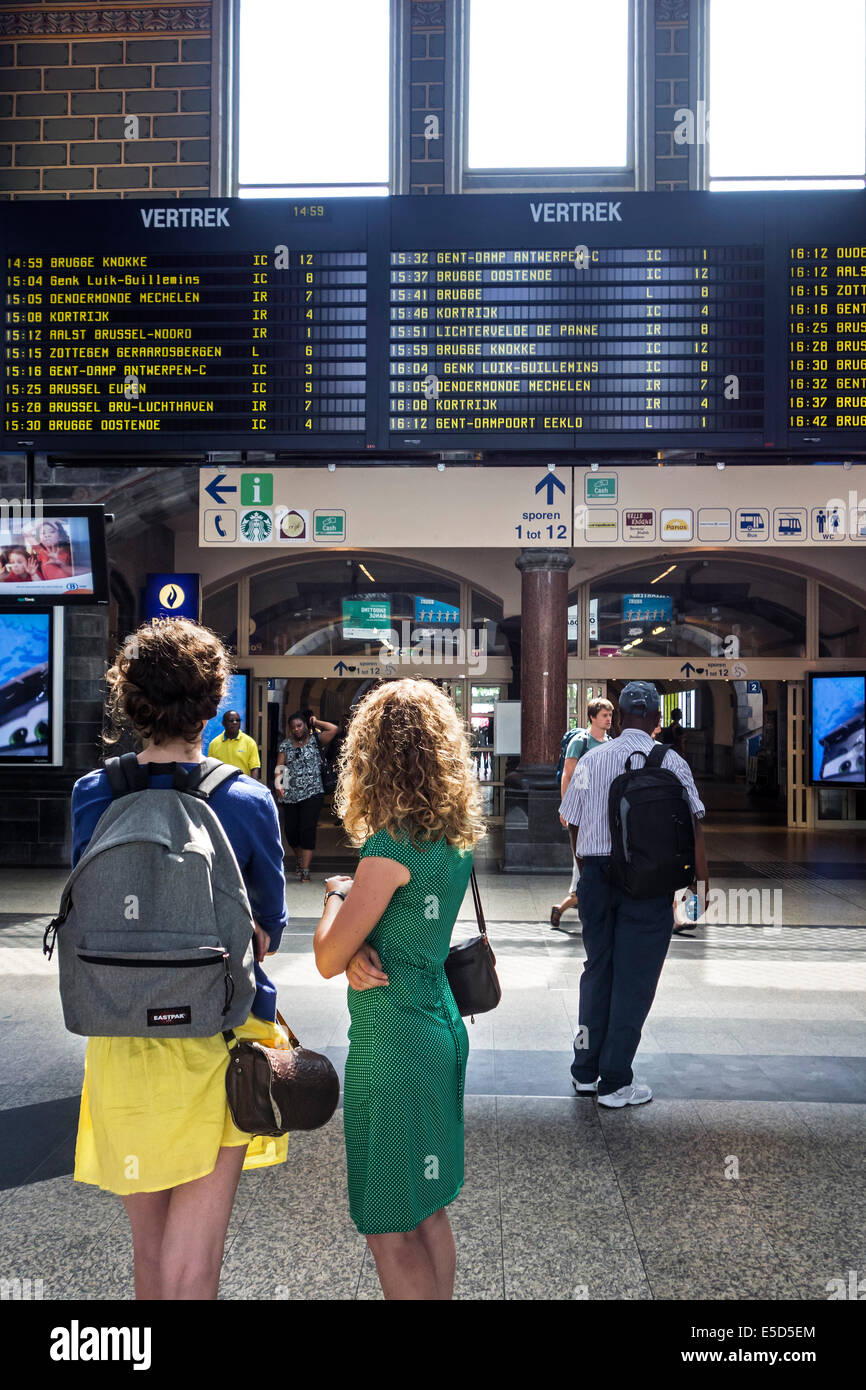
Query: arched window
[698,607]
[341,605]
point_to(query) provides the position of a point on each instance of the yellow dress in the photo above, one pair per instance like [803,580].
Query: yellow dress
[154,1112]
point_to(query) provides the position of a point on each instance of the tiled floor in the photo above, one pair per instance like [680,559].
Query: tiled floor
[743,1179]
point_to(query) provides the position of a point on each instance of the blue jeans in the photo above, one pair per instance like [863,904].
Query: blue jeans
[626,941]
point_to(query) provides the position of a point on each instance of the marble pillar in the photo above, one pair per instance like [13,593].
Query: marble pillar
[534,841]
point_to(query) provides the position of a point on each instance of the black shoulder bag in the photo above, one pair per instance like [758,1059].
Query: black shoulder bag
[471,968]
[329,772]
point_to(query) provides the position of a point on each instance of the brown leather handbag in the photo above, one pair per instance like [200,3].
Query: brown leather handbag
[272,1090]
[471,968]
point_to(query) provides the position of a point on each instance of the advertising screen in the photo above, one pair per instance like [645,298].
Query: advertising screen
[237,697]
[29,704]
[51,553]
[838,730]
[367,619]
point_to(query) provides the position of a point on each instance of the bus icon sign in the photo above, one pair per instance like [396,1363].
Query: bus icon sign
[752,524]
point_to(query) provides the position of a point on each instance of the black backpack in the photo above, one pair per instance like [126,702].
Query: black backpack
[566,740]
[652,834]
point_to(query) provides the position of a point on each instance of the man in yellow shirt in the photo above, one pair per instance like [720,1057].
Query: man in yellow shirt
[236,748]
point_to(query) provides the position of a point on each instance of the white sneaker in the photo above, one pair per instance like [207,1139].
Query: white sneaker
[626,1095]
[584,1088]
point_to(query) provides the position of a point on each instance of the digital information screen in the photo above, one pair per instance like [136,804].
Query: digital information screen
[248,327]
[409,324]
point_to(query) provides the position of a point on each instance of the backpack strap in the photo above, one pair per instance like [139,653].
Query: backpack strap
[657,756]
[212,774]
[116,779]
[126,774]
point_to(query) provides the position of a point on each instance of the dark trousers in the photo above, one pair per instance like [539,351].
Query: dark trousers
[626,941]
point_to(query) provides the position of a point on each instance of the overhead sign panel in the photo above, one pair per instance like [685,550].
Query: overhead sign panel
[387,508]
[732,507]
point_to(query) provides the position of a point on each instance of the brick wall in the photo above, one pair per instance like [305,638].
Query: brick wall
[104,102]
[672,91]
[427,86]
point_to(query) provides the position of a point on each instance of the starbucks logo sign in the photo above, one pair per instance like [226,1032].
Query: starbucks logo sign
[256,526]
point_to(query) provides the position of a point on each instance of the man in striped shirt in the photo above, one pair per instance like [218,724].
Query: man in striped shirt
[626,939]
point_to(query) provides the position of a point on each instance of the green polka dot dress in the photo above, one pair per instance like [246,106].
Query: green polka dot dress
[408,1046]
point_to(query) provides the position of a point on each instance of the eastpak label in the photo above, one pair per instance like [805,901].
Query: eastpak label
[169,1018]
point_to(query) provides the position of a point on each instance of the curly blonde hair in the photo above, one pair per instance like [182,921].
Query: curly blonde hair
[405,767]
[167,679]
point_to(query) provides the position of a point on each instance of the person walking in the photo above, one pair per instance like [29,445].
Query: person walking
[674,734]
[299,787]
[232,746]
[599,715]
[626,938]
[154,1125]
[408,798]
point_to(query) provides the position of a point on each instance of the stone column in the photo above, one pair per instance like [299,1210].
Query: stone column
[534,839]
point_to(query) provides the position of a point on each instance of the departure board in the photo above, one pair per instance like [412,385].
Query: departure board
[409,326]
[827,339]
[188,337]
[587,340]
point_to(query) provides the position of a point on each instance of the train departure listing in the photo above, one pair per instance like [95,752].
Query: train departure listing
[255,345]
[417,325]
[580,339]
[827,339]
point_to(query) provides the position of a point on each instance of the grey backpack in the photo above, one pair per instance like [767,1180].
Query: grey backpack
[155,928]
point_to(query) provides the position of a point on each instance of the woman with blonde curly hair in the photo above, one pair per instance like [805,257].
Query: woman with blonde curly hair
[410,802]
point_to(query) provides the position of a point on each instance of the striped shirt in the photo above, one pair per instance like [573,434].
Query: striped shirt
[585,802]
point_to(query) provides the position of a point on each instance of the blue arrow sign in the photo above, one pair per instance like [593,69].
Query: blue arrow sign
[688,669]
[341,667]
[215,489]
[550,481]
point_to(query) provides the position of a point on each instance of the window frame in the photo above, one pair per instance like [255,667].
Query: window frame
[635,175]
[701,162]
[228,115]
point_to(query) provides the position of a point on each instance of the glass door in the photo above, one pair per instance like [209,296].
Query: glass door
[489,769]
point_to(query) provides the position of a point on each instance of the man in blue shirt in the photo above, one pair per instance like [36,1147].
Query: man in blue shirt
[626,939]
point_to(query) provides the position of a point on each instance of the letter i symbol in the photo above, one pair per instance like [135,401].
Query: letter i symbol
[257,489]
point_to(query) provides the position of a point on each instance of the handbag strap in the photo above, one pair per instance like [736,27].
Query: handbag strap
[476,898]
[293,1041]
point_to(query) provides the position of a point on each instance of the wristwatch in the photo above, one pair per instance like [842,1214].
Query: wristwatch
[335,893]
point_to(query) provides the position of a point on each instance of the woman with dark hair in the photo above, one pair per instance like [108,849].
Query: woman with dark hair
[154,1125]
[408,797]
[298,783]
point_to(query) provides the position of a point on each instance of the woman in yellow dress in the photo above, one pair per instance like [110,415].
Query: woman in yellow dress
[154,1125]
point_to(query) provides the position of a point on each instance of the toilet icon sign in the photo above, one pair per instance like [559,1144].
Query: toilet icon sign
[257,489]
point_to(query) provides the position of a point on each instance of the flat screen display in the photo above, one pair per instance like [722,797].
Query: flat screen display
[367,619]
[412,325]
[52,554]
[30,688]
[837,704]
[237,697]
